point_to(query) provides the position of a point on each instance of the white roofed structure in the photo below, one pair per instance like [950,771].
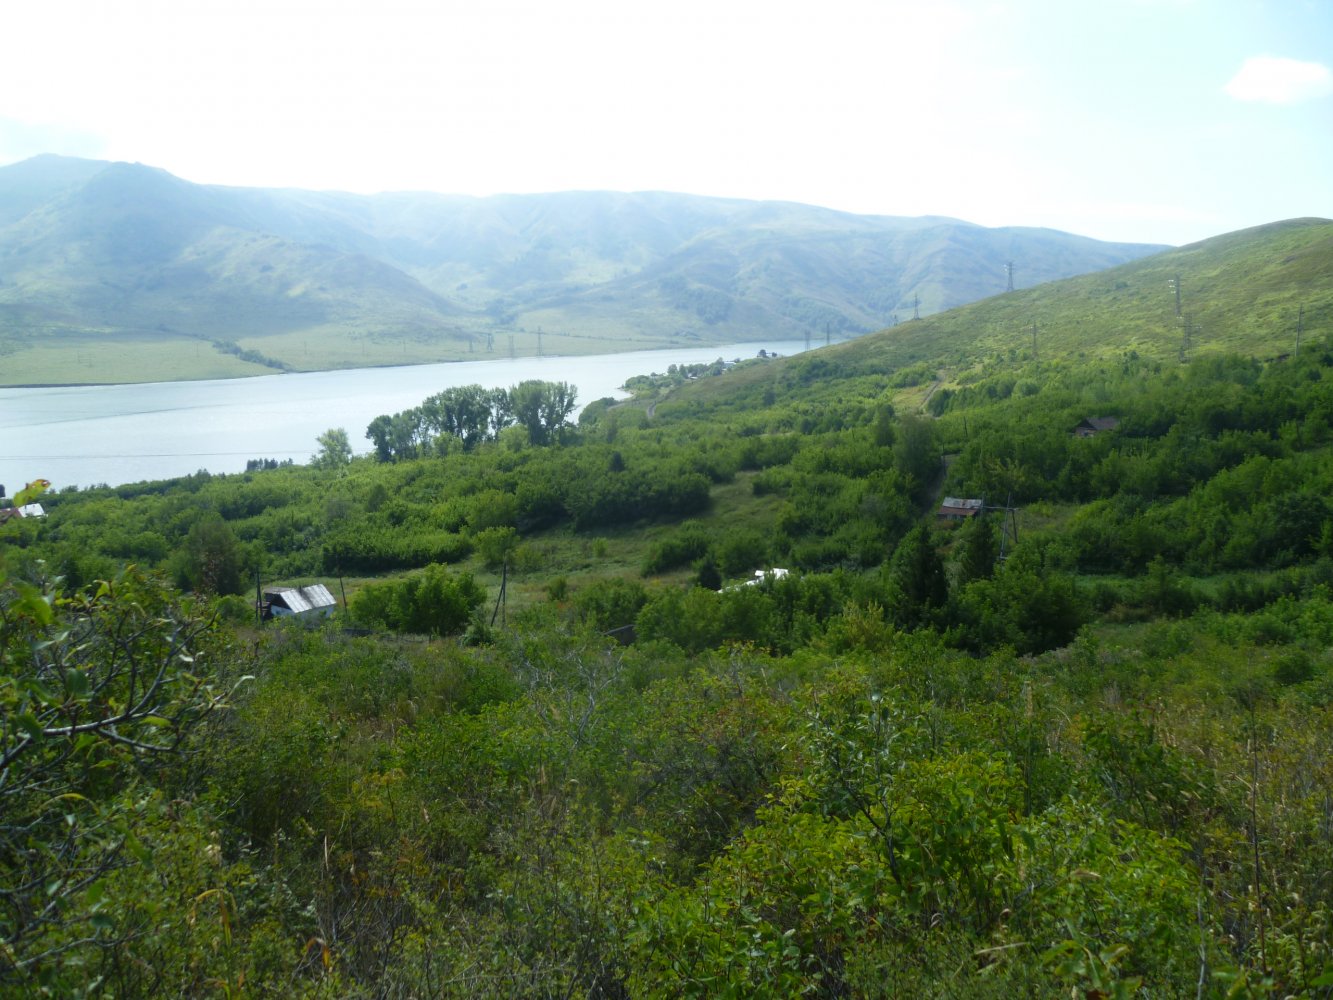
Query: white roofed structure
[310,601]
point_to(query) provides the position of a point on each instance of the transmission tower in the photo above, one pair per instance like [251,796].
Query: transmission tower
[1009,273]
[1185,342]
[1175,285]
[916,307]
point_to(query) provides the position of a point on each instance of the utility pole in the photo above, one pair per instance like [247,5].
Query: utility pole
[1008,524]
[1034,340]
[501,600]
[1300,324]
[512,355]
[1009,272]
[539,342]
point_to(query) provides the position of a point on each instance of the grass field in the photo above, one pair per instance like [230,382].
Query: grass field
[123,360]
[90,361]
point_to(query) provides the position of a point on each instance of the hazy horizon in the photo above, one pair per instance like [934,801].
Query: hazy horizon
[1157,121]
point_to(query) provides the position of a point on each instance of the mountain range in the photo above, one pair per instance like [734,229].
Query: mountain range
[124,272]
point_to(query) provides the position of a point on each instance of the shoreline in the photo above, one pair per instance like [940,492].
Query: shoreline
[367,367]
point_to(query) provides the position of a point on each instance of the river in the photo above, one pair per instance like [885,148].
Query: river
[113,434]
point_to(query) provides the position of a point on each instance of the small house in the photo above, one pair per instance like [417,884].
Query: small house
[959,508]
[27,510]
[310,602]
[1092,426]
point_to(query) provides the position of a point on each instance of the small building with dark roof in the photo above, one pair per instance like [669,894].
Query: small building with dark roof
[1092,426]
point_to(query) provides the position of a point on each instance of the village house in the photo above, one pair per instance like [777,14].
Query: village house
[959,509]
[27,510]
[308,603]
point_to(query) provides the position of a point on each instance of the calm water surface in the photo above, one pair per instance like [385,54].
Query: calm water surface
[85,435]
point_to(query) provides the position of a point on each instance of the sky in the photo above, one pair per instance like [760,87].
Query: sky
[1162,121]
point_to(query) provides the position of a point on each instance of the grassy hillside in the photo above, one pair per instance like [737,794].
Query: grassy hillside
[311,280]
[1242,292]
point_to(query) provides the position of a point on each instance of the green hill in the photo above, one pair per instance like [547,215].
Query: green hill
[1243,292]
[147,276]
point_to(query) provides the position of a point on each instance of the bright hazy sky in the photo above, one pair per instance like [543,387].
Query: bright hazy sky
[1144,120]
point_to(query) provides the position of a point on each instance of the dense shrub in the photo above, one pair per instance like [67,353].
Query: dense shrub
[432,602]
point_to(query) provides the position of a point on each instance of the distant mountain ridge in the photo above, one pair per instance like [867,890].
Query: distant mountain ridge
[121,261]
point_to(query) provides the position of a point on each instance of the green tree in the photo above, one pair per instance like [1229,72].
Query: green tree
[213,561]
[918,572]
[378,433]
[915,450]
[335,451]
[543,408]
[977,551]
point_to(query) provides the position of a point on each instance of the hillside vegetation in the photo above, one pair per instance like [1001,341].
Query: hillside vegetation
[122,272]
[1078,745]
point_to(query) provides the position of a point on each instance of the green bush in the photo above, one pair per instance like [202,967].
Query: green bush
[432,602]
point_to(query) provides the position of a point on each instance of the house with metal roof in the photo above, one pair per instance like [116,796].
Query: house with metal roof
[959,508]
[27,510]
[309,602]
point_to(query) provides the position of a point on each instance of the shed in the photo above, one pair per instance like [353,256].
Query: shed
[1092,426]
[310,601]
[959,508]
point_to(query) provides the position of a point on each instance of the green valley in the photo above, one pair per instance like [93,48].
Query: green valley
[703,694]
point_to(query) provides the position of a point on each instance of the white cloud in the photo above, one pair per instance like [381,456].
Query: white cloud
[1280,81]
